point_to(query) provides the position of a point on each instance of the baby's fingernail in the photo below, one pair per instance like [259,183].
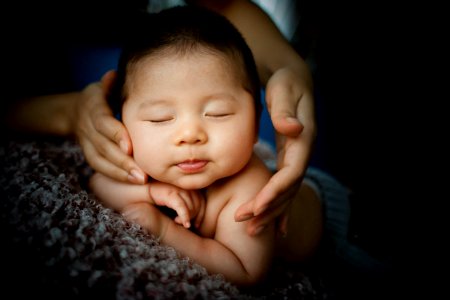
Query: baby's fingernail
[259,230]
[136,177]
[187,224]
[245,217]
[123,146]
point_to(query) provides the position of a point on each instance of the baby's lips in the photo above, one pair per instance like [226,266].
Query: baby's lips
[192,166]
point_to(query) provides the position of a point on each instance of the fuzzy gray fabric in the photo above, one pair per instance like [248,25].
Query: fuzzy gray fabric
[59,242]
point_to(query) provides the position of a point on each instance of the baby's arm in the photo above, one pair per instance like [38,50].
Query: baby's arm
[241,258]
[131,200]
[118,195]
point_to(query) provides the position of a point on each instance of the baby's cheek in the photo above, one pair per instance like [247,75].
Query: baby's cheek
[235,158]
[148,165]
[144,158]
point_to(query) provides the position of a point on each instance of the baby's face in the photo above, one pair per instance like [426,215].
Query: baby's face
[190,120]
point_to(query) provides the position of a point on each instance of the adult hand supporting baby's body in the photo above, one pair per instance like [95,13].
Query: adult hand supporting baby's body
[104,139]
[289,99]
[290,104]
[291,107]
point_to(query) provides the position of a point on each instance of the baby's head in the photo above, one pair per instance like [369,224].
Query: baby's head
[181,31]
[189,95]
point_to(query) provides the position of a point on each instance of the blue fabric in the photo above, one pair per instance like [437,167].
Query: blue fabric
[266,129]
[89,63]
[336,206]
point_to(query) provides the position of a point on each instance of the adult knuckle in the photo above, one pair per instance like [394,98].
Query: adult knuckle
[102,148]
[125,163]
[99,122]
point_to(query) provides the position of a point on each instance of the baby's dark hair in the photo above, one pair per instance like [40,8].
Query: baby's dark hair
[183,29]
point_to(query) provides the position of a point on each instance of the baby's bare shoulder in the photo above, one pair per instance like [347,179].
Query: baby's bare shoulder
[245,185]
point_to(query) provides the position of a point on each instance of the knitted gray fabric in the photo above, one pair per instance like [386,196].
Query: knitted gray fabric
[62,243]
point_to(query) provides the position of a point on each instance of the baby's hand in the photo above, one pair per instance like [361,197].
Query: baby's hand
[188,204]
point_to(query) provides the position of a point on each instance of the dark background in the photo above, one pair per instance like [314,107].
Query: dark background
[367,133]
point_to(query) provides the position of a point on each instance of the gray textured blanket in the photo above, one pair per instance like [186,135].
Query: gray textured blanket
[59,242]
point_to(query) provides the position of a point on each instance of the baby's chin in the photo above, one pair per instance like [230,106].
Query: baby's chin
[191,183]
[187,182]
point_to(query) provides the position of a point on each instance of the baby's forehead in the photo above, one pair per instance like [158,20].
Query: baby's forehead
[218,62]
[229,59]
[166,65]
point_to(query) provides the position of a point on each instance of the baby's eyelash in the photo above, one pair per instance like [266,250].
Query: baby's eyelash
[217,115]
[158,121]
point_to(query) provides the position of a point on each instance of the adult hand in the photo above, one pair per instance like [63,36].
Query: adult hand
[104,140]
[291,106]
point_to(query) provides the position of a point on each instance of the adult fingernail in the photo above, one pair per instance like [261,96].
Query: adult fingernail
[244,217]
[136,176]
[260,210]
[123,146]
[292,120]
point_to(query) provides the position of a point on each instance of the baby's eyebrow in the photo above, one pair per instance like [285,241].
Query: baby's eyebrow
[154,102]
[165,102]
[221,96]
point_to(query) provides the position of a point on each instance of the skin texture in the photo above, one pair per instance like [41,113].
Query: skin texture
[194,107]
[192,126]
[107,145]
[187,110]
[290,103]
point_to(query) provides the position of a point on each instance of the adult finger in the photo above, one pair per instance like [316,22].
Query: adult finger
[258,224]
[100,164]
[114,144]
[282,181]
[282,101]
[271,195]
[244,212]
[108,80]
[101,135]
[108,153]
[113,129]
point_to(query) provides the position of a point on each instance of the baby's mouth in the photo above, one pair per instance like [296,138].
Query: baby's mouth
[192,165]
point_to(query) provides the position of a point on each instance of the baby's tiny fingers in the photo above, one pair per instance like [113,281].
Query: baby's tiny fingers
[179,221]
[182,211]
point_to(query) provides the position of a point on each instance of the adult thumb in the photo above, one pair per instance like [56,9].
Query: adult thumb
[108,80]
